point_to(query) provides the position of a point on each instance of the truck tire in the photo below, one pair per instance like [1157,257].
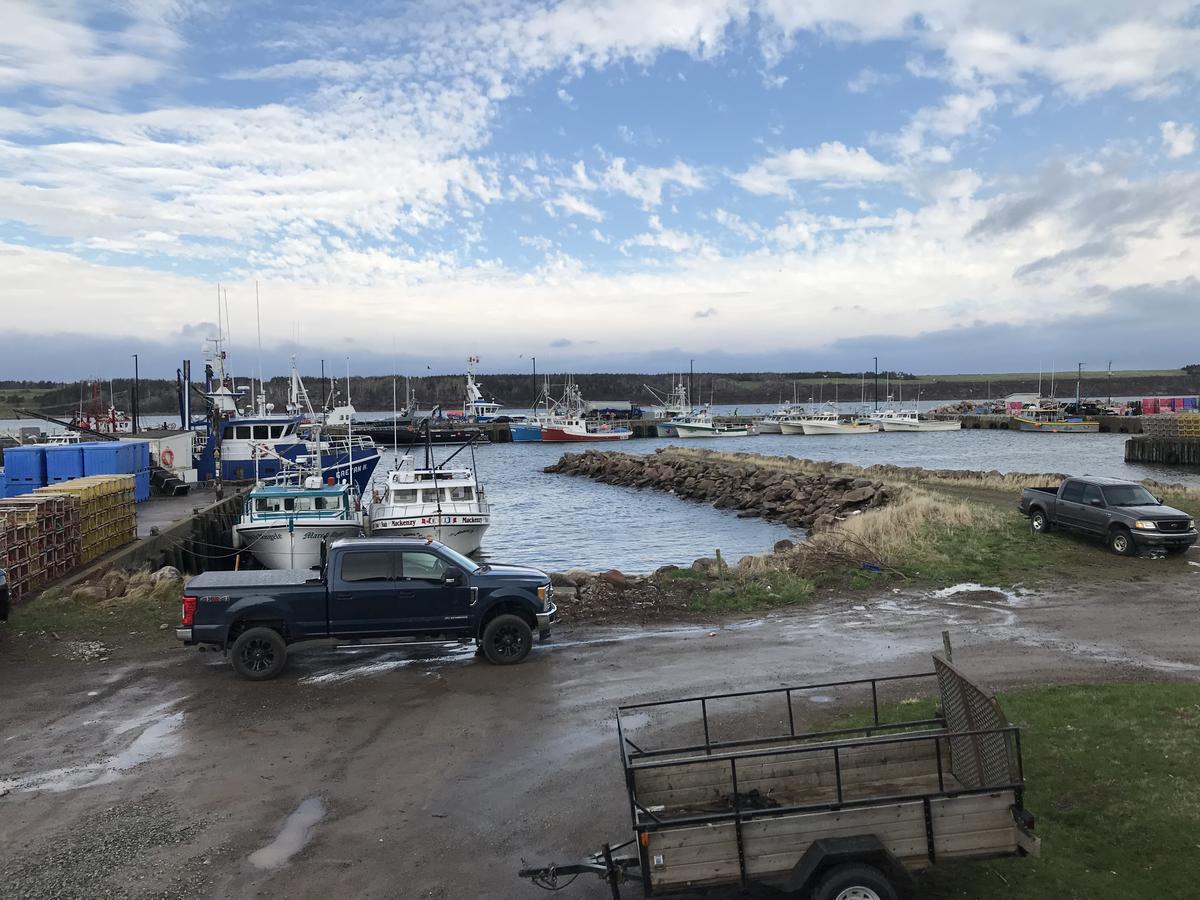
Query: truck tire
[1120,542]
[507,640]
[854,881]
[259,654]
[1038,523]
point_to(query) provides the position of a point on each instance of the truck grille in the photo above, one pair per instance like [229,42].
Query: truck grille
[1173,525]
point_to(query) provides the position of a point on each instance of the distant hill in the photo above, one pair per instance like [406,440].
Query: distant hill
[158,396]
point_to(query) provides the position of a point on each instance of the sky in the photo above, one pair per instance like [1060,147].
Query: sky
[616,185]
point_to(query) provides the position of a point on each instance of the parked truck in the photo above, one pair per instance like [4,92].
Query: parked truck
[1124,514]
[378,591]
[831,814]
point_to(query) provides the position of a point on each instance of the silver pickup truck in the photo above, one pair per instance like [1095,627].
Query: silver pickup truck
[1126,516]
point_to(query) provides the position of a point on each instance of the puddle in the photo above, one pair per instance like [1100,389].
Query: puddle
[296,832]
[977,592]
[389,664]
[158,740]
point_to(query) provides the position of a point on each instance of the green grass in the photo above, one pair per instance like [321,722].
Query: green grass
[771,589]
[1113,774]
[137,616]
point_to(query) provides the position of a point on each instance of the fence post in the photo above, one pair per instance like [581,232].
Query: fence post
[946,646]
[720,568]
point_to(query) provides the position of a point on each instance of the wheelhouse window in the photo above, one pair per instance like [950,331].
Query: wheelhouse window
[277,431]
[243,432]
[462,493]
[228,433]
[430,495]
[404,496]
[262,432]
[366,566]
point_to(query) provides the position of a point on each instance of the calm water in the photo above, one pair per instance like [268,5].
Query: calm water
[560,521]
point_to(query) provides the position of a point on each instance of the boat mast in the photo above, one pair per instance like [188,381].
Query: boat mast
[349,430]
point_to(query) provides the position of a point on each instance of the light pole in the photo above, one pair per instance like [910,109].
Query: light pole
[876,384]
[135,398]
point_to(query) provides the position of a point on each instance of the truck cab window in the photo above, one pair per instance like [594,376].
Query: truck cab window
[1091,494]
[1072,492]
[419,566]
[366,565]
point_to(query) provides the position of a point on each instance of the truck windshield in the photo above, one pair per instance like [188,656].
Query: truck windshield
[1128,495]
[465,561]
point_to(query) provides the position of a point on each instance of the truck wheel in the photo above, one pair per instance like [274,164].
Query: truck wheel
[1120,541]
[259,654]
[855,882]
[507,640]
[1038,523]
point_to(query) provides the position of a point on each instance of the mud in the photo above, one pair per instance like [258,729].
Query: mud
[384,774]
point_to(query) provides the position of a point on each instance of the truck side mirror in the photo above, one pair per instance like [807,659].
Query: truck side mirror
[452,577]
[1096,501]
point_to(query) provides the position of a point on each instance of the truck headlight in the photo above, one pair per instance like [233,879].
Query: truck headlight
[544,593]
[1191,524]
[1144,525]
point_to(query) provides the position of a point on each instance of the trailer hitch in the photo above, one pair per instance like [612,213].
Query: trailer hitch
[612,870]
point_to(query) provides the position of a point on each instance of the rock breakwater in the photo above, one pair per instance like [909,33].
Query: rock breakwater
[809,501]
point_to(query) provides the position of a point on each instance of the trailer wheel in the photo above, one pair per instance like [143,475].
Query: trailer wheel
[507,640]
[855,882]
[259,654]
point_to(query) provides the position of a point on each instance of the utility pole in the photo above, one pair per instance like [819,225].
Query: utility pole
[135,399]
[691,374]
[1078,378]
[876,384]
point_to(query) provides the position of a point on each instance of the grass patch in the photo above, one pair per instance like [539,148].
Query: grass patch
[682,575]
[1113,774]
[769,589]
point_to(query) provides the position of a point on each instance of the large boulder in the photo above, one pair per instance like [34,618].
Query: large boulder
[706,566]
[616,578]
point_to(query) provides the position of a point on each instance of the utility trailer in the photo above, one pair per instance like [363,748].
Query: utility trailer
[827,815]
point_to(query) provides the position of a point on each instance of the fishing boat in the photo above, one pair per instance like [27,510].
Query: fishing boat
[674,407]
[528,429]
[772,423]
[476,408]
[828,415]
[438,502]
[702,425]
[836,426]
[911,420]
[1053,421]
[569,424]
[284,525]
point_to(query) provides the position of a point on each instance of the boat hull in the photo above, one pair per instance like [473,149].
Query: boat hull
[920,425]
[523,432]
[701,431]
[815,428]
[563,436]
[765,427]
[791,428]
[666,430]
[276,546]
[1055,427]
[463,533]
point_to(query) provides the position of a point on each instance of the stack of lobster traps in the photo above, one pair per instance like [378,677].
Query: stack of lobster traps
[39,540]
[107,519]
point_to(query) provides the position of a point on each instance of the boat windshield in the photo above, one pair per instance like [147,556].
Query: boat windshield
[1128,495]
[465,561]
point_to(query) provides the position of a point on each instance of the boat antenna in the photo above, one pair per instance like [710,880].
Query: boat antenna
[395,421]
[349,430]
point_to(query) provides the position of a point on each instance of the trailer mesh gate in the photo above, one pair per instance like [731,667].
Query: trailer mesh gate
[977,759]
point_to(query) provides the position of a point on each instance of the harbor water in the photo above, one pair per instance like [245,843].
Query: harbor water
[558,522]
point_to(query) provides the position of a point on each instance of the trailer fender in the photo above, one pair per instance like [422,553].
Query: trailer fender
[824,854]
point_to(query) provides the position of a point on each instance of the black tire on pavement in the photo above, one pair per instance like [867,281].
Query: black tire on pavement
[1120,542]
[855,881]
[259,654]
[507,640]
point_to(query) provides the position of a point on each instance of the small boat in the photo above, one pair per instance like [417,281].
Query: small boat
[1055,423]
[673,408]
[910,420]
[702,425]
[839,427]
[285,525]
[564,429]
[527,431]
[795,424]
[438,502]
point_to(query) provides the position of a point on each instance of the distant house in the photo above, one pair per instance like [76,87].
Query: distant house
[1014,403]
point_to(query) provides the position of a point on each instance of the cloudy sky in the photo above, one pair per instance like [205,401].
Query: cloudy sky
[952,185]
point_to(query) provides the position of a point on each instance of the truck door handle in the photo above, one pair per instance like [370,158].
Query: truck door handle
[406,595]
[343,595]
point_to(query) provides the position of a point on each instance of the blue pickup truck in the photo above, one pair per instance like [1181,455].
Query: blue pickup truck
[378,591]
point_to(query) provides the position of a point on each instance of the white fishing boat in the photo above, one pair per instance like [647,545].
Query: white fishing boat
[773,423]
[910,420]
[795,424]
[702,425]
[284,525]
[438,502]
[476,408]
[675,407]
[839,427]
[569,424]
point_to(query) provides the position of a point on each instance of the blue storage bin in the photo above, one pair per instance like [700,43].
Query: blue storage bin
[26,464]
[141,487]
[63,463]
[103,458]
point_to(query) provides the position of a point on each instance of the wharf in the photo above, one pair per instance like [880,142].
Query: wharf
[499,433]
[1174,451]
[1108,424]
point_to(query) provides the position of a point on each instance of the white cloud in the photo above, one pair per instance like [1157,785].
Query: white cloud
[645,183]
[1028,105]
[1178,140]
[867,79]
[573,205]
[832,162]
[955,116]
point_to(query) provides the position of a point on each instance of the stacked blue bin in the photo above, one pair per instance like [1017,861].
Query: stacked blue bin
[24,469]
[63,462]
[120,458]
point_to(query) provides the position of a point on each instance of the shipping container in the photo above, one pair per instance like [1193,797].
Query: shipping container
[1191,402]
[103,458]
[1149,406]
[141,487]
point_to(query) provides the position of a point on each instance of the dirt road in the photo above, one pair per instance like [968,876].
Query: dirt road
[384,774]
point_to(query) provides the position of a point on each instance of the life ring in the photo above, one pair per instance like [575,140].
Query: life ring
[167,457]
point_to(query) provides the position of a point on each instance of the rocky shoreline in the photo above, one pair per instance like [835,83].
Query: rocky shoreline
[809,501]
